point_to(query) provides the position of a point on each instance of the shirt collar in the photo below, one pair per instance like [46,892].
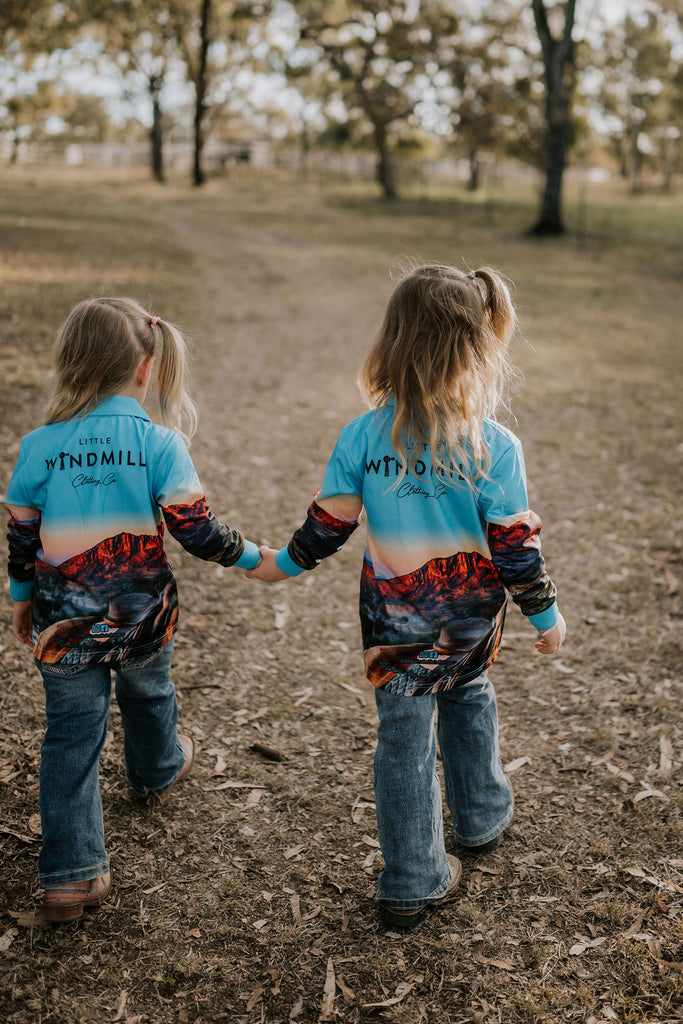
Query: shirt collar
[120,405]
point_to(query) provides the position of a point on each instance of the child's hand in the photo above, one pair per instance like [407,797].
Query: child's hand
[23,623]
[550,640]
[267,569]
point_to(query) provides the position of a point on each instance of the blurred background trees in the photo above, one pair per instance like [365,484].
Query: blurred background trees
[543,83]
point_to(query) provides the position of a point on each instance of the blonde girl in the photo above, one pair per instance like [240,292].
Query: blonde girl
[450,534]
[92,586]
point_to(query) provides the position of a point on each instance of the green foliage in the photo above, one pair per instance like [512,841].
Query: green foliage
[641,97]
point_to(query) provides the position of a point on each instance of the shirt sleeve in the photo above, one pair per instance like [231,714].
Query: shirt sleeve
[320,536]
[516,554]
[173,479]
[18,491]
[501,493]
[344,473]
[24,541]
[322,533]
[206,537]
[514,536]
[178,492]
[23,535]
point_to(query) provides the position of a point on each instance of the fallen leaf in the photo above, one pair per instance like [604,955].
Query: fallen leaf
[28,918]
[7,939]
[121,1005]
[370,860]
[584,944]
[255,997]
[22,837]
[220,766]
[369,841]
[637,924]
[231,784]
[390,1002]
[348,993]
[297,1008]
[293,851]
[282,613]
[327,1005]
[646,793]
[512,766]
[295,904]
[658,882]
[666,754]
[626,776]
[194,933]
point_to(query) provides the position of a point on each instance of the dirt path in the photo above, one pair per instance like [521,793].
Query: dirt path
[249,898]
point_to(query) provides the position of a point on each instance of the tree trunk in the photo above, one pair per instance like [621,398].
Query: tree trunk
[558,60]
[550,220]
[156,134]
[635,161]
[198,176]
[475,171]
[385,168]
[305,146]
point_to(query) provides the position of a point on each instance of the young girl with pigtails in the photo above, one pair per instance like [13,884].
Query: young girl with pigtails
[450,534]
[92,586]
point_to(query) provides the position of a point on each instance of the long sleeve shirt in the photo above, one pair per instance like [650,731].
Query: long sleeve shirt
[444,550]
[88,499]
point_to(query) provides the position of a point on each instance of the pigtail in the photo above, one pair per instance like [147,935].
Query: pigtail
[499,308]
[176,407]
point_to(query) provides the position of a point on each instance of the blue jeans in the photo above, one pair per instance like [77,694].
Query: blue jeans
[408,794]
[77,708]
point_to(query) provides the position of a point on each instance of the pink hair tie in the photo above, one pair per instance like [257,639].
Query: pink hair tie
[154,321]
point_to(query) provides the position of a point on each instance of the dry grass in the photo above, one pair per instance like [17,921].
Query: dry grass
[253,903]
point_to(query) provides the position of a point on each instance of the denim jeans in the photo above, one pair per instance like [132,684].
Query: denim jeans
[77,707]
[408,793]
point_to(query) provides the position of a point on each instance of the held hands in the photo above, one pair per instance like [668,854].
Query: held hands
[22,622]
[550,640]
[267,570]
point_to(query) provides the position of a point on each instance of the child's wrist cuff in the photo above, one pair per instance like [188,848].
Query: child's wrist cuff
[250,557]
[546,619]
[20,591]
[287,564]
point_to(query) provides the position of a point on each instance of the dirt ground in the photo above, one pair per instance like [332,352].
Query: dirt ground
[249,897]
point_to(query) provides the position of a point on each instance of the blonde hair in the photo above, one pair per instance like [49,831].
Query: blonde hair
[98,349]
[441,356]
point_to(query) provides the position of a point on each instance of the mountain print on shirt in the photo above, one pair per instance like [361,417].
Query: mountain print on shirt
[433,628]
[113,602]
